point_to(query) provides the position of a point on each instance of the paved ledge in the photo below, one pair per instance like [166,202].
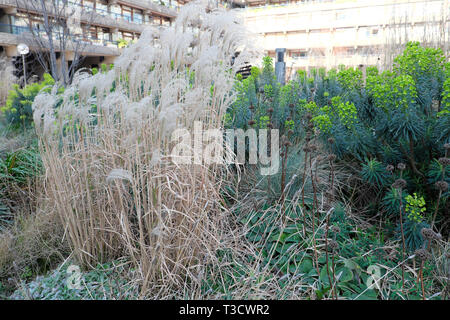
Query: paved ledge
[141,4]
[149,5]
[12,40]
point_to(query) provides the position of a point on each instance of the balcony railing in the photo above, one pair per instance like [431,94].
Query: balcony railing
[255,4]
[13,29]
[106,13]
[18,30]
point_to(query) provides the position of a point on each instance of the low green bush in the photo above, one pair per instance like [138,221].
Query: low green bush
[17,111]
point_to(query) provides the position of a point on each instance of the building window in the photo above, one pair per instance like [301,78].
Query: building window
[341,16]
[127,35]
[20,20]
[165,21]
[138,16]
[160,20]
[298,54]
[116,10]
[89,5]
[23,21]
[131,14]
[90,32]
[95,33]
[350,51]
[372,32]
[104,34]
[127,13]
[101,6]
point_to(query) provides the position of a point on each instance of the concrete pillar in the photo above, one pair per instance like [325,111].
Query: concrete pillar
[147,17]
[10,10]
[70,56]
[115,34]
[111,3]
[59,67]
[109,60]
[11,51]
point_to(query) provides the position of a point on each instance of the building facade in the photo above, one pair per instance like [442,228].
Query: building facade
[358,33]
[315,33]
[103,25]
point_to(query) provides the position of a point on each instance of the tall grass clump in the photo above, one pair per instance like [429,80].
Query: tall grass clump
[106,149]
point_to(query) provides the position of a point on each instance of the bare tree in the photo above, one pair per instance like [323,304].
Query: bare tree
[58,37]
[434,32]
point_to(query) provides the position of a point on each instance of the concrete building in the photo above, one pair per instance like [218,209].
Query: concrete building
[358,33]
[315,33]
[103,25]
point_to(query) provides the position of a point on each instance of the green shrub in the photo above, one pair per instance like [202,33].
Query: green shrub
[398,116]
[19,166]
[18,110]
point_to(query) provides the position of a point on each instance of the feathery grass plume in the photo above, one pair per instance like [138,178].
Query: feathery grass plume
[7,78]
[119,174]
[167,218]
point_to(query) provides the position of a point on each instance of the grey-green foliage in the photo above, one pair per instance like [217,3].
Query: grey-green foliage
[295,163]
[105,282]
[259,93]
[386,118]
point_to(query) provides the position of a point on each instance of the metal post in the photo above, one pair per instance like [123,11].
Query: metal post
[23,49]
[24,71]
[280,65]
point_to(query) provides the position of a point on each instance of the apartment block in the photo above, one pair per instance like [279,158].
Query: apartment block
[355,33]
[103,25]
[315,33]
